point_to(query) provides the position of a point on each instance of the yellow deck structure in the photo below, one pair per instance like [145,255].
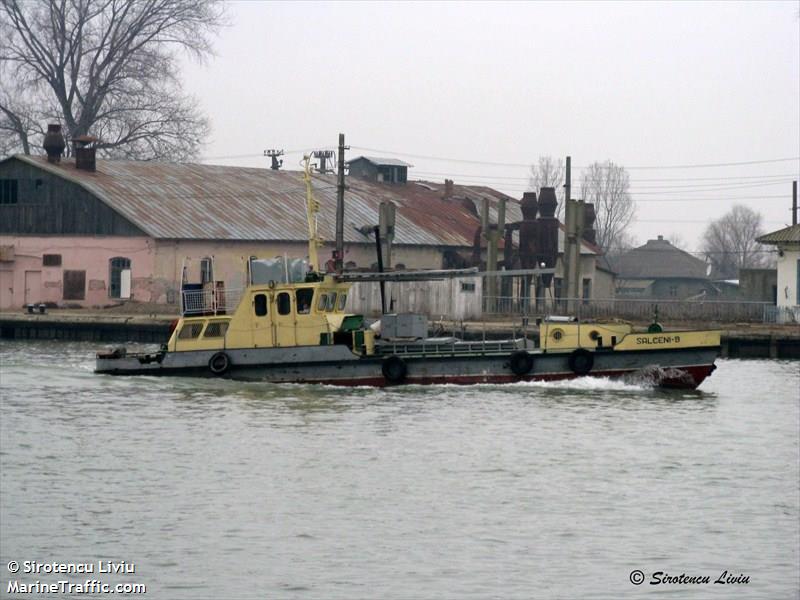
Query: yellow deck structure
[271,316]
[558,336]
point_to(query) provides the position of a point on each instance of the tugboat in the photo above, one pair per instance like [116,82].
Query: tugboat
[300,333]
[289,325]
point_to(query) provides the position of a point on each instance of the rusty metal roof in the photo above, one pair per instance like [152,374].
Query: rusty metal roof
[787,235]
[198,201]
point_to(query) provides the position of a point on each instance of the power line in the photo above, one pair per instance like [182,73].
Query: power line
[705,253]
[705,187]
[528,165]
[518,188]
[729,164]
[261,155]
[659,189]
[501,164]
[750,186]
[726,199]
[790,176]
[704,221]
[786,177]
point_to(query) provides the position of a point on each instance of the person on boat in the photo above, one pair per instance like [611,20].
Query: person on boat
[304,301]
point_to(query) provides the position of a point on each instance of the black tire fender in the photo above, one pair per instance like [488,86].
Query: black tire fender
[581,361]
[394,369]
[521,363]
[219,363]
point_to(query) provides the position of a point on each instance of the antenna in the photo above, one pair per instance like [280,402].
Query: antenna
[323,156]
[274,154]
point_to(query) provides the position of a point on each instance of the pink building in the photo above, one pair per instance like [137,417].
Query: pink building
[121,231]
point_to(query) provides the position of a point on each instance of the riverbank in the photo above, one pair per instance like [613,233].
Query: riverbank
[91,326]
[150,324]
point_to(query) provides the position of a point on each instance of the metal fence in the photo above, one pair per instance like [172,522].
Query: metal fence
[210,302]
[782,314]
[643,310]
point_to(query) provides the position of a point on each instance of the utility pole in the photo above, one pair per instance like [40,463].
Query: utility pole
[492,233]
[574,214]
[578,209]
[386,219]
[794,202]
[274,154]
[338,256]
[565,260]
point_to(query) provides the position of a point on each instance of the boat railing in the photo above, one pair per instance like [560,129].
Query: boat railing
[448,346]
[210,301]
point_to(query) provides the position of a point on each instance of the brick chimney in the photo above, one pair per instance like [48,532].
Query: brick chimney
[85,152]
[448,189]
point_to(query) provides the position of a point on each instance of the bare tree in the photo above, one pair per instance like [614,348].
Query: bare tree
[548,173]
[677,240]
[606,186]
[107,68]
[729,243]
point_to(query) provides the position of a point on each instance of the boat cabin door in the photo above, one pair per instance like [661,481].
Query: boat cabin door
[263,330]
[283,315]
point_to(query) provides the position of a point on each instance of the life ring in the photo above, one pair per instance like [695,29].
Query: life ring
[521,363]
[219,363]
[394,369]
[581,361]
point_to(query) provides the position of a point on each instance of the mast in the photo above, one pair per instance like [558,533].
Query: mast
[312,208]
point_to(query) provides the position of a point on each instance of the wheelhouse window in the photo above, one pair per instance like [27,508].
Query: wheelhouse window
[119,277]
[190,331]
[342,301]
[331,305]
[322,302]
[215,329]
[284,303]
[304,297]
[260,305]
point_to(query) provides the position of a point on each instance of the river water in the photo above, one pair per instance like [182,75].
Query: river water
[219,489]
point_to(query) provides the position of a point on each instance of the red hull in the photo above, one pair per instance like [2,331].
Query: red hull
[688,377]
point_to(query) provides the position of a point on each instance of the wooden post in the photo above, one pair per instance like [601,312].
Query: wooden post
[492,233]
[565,257]
[339,258]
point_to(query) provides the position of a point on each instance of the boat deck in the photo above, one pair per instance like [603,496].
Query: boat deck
[449,346]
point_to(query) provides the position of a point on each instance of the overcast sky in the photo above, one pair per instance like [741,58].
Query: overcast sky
[642,84]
